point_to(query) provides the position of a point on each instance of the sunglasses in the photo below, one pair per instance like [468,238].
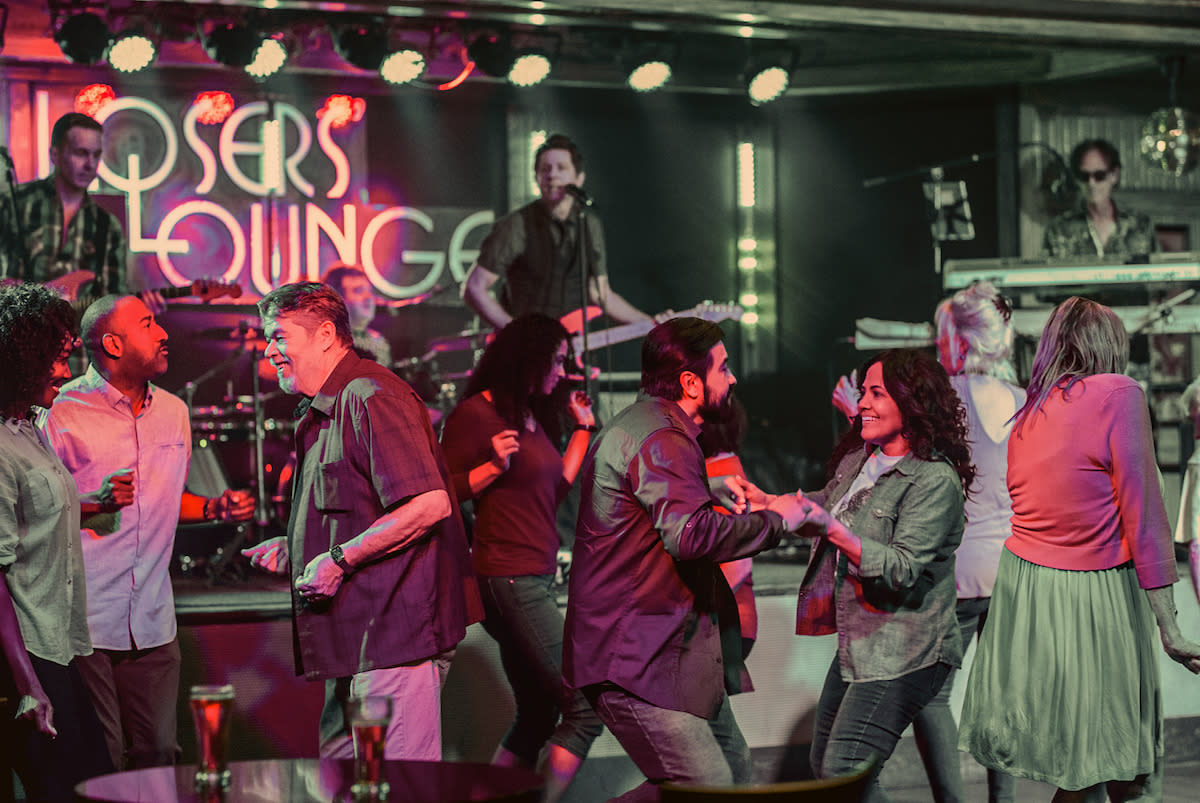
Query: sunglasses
[1085,176]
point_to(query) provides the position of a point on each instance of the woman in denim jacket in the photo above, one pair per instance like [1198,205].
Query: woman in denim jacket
[882,574]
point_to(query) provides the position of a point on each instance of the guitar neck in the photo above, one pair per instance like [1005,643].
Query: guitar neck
[615,334]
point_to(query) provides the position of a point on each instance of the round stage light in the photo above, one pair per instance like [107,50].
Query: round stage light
[268,59]
[402,66]
[530,68]
[131,51]
[649,76]
[766,85]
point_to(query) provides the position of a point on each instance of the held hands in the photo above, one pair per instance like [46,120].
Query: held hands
[504,445]
[745,496]
[270,556]
[845,395]
[116,491]
[580,405]
[320,579]
[233,506]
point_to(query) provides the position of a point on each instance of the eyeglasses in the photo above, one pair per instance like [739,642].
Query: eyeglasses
[1085,176]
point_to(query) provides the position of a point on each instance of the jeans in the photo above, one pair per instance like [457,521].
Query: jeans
[524,619]
[864,718]
[415,732]
[671,745]
[937,732]
[135,693]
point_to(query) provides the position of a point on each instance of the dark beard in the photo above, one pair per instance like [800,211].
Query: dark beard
[715,411]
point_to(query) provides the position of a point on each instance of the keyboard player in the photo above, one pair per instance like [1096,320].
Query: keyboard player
[1097,228]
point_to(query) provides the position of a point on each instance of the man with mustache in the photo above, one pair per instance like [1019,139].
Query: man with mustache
[113,419]
[382,586]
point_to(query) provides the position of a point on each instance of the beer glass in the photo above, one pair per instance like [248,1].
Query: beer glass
[369,719]
[212,710]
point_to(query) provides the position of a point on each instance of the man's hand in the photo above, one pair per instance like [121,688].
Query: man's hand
[320,579]
[505,444]
[116,491]
[270,556]
[745,495]
[233,506]
[845,395]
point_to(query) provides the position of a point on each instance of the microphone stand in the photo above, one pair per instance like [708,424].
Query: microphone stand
[585,270]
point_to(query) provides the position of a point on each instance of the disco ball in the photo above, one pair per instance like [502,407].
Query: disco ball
[1171,140]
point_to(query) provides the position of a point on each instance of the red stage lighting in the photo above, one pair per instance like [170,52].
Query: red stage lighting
[344,109]
[91,99]
[215,105]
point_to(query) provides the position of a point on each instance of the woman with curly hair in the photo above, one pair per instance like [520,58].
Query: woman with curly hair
[882,574]
[48,726]
[500,446]
[1065,684]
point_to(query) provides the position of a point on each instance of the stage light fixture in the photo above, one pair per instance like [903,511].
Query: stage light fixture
[492,53]
[529,68]
[649,75]
[268,59]
[648,64]
[402,66]
[363,46]
[131,51]
[232,44]
[83,38]
[767,83]
[1171,135]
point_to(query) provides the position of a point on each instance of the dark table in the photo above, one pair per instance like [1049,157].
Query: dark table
[310,780]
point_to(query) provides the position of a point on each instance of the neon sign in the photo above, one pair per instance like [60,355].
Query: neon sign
[263,150]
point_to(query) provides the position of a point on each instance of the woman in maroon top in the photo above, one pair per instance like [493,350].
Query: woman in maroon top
[500,446]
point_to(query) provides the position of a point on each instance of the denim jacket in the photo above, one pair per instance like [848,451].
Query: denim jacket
[895,612]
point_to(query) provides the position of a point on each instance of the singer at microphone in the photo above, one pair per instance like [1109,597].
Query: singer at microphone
[547,251]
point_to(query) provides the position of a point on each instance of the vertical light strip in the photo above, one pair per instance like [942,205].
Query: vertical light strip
[272,157]
[41,149]
[536,140]
[745,155]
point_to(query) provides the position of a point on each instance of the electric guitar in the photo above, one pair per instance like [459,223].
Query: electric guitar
[628,331]
[68,286]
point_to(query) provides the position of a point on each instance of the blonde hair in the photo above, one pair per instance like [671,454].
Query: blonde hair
[980,315]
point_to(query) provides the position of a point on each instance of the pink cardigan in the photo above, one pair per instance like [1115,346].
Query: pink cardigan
[1084,483]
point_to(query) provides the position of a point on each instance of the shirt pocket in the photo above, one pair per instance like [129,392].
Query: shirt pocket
[43,493]
[334,487]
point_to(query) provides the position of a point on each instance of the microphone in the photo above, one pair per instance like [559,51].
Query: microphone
[576,192]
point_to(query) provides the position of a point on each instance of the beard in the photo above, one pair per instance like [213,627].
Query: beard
[716,410]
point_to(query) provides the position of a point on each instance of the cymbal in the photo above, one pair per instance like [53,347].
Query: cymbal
[467,339]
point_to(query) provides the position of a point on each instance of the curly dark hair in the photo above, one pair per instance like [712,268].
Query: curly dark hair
[935,421]
[34,324]
[514,367]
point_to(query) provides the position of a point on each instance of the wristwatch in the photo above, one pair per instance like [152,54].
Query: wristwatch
[335,552]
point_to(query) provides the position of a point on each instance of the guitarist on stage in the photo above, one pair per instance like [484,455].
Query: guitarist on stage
[535,250]
[58,229]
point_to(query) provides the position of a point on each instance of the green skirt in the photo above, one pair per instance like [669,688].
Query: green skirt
[1065,684]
